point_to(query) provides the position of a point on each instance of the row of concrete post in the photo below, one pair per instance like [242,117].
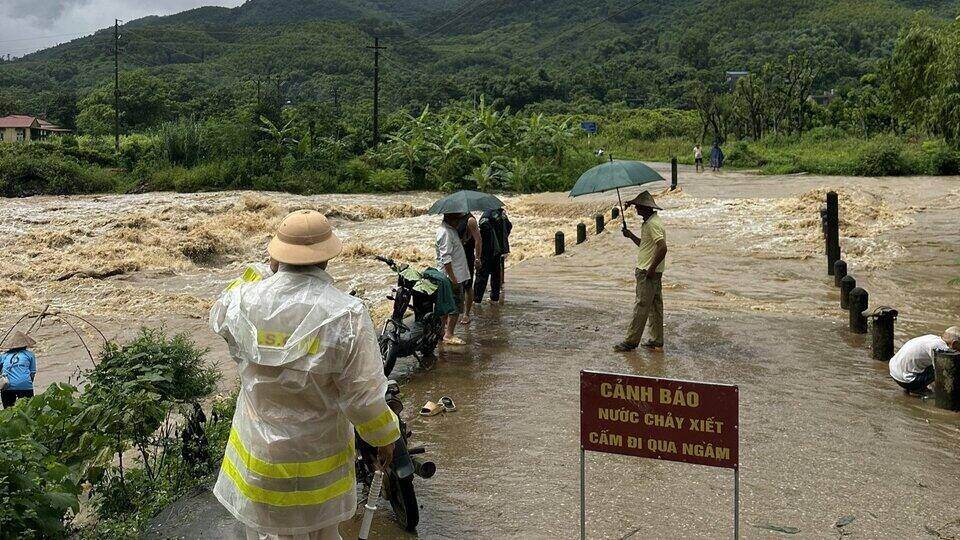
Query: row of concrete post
[856,301]
[559,240]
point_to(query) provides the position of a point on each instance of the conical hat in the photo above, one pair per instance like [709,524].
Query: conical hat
[18,340]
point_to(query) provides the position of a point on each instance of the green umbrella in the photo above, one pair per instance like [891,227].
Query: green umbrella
[465,201]
[614,174]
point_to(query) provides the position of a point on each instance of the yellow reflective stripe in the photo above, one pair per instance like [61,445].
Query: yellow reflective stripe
[278,340]
[249,276]
[292,469]
[380,421]
[393,436]
[287,498]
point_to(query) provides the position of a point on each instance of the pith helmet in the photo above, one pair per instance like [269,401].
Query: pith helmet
[644,199]
[304,237]
[19,340]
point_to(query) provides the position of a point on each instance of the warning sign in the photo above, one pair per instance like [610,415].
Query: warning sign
[655,418]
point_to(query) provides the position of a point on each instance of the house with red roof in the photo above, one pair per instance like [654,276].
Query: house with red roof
[23,128]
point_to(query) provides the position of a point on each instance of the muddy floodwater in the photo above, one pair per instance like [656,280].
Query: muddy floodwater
[825,433]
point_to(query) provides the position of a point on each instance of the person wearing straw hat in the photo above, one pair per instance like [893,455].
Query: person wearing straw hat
[311,376]
[18,369]
[652,251]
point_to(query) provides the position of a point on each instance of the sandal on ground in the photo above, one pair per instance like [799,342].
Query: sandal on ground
[465,319]
[448,404]
[624,347]
[430,409]
[454,341]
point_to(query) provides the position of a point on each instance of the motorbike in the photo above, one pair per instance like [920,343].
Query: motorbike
[416,334]
[398,480]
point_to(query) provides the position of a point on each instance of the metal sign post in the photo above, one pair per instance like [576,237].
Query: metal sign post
[665,419]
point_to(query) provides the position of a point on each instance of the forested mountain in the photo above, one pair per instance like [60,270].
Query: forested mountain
[521,52]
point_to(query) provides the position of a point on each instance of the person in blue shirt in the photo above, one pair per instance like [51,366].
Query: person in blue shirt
[18,367]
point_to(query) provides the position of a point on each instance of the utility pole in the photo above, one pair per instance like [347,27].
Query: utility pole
[116,82]
[336,108]
[376,90]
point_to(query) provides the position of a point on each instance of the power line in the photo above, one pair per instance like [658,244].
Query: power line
[456,16]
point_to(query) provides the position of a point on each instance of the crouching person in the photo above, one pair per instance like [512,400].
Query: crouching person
[912,366]
[310,372]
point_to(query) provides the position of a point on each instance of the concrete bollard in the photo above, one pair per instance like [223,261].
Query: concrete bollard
[882,333]
[581,233]
[859,302]
[847,284]
[615,213]
[558,244]
[839,271]
[946,384]
[832,230]
[673,174]
[599,220]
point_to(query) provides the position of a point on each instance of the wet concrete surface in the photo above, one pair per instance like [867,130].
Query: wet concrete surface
[825,433]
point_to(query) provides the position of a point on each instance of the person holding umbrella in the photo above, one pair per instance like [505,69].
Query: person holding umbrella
[652,250]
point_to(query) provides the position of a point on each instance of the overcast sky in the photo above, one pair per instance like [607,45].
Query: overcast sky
[31,25]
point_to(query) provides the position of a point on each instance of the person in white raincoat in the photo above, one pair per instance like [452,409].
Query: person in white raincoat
[310,370]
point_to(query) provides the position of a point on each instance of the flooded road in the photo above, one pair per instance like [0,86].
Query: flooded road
[825,433]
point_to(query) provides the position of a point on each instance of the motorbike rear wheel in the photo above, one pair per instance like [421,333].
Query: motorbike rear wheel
[432,332]
[388,349]
[403,500]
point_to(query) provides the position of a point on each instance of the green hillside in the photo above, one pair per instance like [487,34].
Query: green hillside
[536,51]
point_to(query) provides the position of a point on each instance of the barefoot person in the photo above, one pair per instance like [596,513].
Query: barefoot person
[452,260]
[652,250]
[472,241]
[310,374]
[698,157]
[912,366]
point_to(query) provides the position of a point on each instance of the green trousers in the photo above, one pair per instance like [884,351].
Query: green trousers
[648,306]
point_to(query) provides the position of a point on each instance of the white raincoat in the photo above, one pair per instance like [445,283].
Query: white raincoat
[310,369]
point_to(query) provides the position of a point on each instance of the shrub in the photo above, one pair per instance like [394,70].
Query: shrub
[138,149]
[740,154]
[939,158]
[388,180]
[881,156]
[22,175]
[181,143]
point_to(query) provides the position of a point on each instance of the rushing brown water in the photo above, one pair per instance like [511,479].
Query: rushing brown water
[824,432]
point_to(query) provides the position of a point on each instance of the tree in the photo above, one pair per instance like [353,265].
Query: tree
[144,103]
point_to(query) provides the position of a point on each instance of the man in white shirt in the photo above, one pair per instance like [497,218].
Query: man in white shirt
[452,260]
[912,366]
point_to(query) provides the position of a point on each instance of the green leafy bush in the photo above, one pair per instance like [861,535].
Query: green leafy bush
[388,180]
[881,156]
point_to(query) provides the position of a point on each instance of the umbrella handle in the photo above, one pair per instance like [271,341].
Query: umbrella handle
[623,214]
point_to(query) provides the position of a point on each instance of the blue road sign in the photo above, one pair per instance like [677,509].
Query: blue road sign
[589,127]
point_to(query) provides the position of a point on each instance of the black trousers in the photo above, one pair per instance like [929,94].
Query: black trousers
[492,271]
[921,383]
[9,397]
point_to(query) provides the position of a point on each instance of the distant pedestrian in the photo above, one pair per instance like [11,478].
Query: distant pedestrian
[495,230]
[716,157]
[452,260]
[18,369]
[698,157]
[912,366]
[469,232]
[652,251]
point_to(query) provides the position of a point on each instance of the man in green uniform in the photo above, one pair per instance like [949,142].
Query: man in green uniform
[652,250]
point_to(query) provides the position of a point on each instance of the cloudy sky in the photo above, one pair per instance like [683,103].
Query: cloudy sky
[30,25]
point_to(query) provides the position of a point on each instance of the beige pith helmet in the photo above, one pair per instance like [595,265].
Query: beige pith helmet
[19,340]
[304,237]
[644,199]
